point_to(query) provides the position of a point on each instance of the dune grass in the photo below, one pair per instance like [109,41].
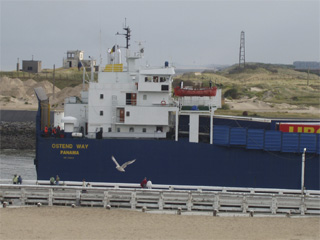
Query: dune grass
[276,84]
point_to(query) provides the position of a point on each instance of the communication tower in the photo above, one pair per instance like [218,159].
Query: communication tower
[242,59]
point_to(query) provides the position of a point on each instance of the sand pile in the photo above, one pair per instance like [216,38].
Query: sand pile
[16,94]
[64,93]
[12,87]
[20,95]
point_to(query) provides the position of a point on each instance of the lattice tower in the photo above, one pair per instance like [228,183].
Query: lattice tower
[242,59]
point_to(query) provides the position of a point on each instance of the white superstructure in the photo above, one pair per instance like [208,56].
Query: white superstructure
[130,102]
[126,103]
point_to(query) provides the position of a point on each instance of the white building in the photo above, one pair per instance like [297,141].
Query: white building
[75,59]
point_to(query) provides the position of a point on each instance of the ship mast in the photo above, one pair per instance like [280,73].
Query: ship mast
[127,34]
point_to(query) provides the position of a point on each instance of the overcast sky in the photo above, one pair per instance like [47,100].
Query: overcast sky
[182,32]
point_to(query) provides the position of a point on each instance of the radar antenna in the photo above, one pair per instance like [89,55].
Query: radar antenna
[127,34]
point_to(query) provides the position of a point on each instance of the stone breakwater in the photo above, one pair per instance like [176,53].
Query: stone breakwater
[18,135]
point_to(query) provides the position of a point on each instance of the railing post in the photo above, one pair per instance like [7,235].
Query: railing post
[302,205]
[78,197]
[244,204]
[216,202]
[161,201]
[189,203]
[274,204]
[105,199]
[133,200]
[50,197]
[23,196]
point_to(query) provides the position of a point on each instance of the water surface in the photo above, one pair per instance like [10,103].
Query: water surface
[18,162]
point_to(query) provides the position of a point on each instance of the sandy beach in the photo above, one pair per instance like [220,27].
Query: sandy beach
[99,223]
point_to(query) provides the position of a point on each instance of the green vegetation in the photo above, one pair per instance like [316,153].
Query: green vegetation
[276,114]
[63,77]
[269,83]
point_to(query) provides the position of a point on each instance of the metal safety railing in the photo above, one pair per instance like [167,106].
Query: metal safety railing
[163,197]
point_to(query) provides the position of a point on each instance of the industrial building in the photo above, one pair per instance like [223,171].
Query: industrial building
[32,66]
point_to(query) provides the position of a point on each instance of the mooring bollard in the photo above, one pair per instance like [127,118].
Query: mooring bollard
[73,205]
[4,204]
[39,204]
[144,208]
[108,207]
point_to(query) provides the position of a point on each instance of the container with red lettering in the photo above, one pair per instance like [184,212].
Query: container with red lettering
[300,127]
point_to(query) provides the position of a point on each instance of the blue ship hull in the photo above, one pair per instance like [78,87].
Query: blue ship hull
[244,153]
[171,162]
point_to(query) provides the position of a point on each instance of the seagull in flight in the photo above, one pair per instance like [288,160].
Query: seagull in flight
[123,166]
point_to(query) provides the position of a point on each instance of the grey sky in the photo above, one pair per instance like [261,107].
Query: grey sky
[183,32]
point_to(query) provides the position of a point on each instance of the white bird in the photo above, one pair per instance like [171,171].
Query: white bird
[123,166]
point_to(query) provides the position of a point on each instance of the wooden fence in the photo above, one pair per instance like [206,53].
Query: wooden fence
[164,197]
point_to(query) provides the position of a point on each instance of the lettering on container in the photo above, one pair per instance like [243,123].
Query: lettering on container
[299,128]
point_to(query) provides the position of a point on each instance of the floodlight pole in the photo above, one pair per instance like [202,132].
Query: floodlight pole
[302,170]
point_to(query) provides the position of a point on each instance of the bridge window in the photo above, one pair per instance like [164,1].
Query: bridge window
[101,96]
[159,129]
[155,78]
[131,99]
[144,130]
[101,113]
[164,87]
[148,79]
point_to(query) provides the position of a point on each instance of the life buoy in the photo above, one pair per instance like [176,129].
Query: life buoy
[163,102]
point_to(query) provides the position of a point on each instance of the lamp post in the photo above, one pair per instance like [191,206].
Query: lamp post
[302,170]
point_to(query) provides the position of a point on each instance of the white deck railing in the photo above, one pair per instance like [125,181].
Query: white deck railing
[163,197]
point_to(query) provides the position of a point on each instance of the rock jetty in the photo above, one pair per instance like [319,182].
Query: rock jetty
[18,135]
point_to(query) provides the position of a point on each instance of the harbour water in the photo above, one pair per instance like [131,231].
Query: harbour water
[17,162]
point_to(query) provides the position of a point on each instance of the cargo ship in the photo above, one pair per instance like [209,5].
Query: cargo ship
[130,124]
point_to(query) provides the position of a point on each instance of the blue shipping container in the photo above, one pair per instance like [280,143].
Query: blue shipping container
[221,135]
[290,142]
[255,139]
[272,140]
[308,141]
[238,136]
